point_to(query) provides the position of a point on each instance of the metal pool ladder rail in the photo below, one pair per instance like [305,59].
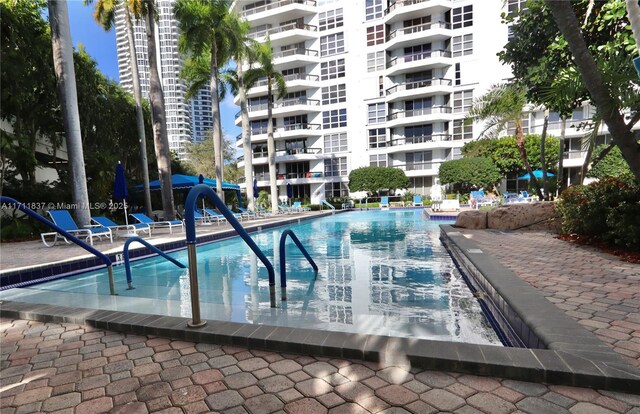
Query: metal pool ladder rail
[190,223]
[283,260]
[127,265]
[333,209]
[90,249]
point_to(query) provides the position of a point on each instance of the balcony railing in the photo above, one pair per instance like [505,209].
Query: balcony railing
[275,5]
[297,151]
[419,139]
[295,52]
[399,3]
[288,78]
[290,127]
[281,29]
[418,56]
[418,84]
[421,165]
[293,175]
[571,155]
[282,104]
[418,112]
[418,29]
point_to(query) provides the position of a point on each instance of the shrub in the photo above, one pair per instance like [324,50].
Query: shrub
[607,210]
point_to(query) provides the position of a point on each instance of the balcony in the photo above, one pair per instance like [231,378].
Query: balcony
[287,59]
[412,143]
[419,89]
[295,82]
[421,168]
[298,7]
[418,116]
[415,35]
[414,61]
[293,33]
[399,10]
[286,131]
[283,106]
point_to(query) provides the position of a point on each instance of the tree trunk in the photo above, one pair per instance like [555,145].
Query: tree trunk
[217,126]
[608,108]
[586,164]
[160,138]
[246,140]
[543,147]
[523,154]
[271,149]
[137,94]
[66,79]
[563,128]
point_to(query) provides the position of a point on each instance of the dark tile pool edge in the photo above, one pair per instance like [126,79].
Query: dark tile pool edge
[532,365]
[45,272]
[547,331]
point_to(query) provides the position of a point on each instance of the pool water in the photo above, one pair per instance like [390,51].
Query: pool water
[380,272]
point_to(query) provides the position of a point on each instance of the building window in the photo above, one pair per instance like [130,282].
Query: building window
[335,167]
[294,122]
[462,131]
[378,160]
[373,9]
[462,45]
[334,94]
[375,61]
[462,17]
[260,126]
[462,101]
[376,113]
[375,35]
[330,19]
[458,79]
[418,133]
[419,160]
[515,6]
[335,190]
[335,142]
[332,69]
[332,44]
[417,52]
[377,138]
[334,119]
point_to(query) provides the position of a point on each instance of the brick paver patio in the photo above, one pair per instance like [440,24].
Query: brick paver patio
[65,368]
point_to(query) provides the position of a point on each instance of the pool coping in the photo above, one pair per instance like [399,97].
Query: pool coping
[574,356]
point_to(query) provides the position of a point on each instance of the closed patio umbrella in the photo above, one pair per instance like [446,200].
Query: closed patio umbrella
[120,191]
[255,188]
[289,192]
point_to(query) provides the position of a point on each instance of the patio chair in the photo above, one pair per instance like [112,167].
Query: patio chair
[417,201]
[202,218]
[297,206]
[213,215]
[122,230]
[170,224]
[63,219]
[384,202]
[248,213]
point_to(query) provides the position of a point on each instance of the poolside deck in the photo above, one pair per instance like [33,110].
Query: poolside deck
[47,367]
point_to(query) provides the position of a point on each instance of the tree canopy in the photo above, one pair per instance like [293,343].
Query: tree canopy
[200,156]
[612,165]
[468,172]
[374,179]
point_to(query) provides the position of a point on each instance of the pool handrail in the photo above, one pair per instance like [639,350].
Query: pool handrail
[127,265]
[283,260]
[333,209]
[22,207]
[190,225]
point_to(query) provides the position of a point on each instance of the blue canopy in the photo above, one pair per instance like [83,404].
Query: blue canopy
[536,173]
[180,181]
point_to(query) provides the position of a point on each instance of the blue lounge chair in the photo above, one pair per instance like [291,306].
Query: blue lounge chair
[250,214]
[63,219]
[122,229]
[417,200]
[384,202]
[144,219]
[202,218]
[213,215]
[297,206]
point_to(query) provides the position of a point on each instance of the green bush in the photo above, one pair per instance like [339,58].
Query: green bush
[607,210]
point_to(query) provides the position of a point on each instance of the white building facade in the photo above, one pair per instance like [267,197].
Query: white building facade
[371,83]
[187,121]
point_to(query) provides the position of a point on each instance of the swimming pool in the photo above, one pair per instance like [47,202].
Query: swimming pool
[380,272]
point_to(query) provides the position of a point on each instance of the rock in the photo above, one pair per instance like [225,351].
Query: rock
[472,219]
[518,216]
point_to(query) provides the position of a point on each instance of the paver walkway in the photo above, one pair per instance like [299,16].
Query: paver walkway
[598,290]
[66,368]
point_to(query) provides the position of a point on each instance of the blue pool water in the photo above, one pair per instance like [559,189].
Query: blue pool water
[380,272]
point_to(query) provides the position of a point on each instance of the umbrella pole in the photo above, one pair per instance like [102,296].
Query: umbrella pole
[126,216]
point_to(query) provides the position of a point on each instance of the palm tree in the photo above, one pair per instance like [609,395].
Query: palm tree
[159,121]
[500,106]
[66,79]
[105,15]
[208,28]
[274,80]
[608,106]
